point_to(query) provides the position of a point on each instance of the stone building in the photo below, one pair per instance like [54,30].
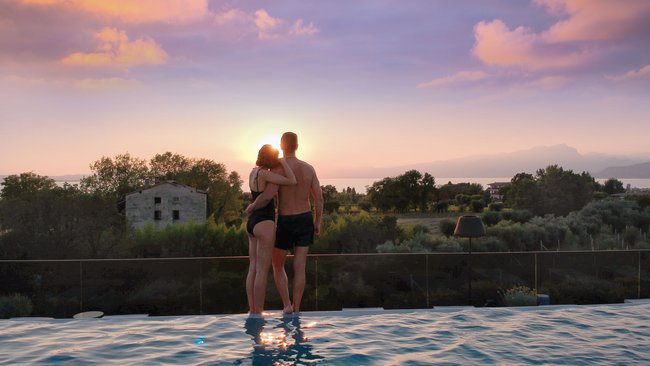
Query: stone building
[494,190]
[166,203]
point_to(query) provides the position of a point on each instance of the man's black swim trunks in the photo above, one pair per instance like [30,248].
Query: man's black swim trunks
[294,230]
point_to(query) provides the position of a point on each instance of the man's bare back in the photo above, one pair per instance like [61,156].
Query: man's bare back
[294,200]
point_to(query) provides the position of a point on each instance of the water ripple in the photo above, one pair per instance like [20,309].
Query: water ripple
[589,335]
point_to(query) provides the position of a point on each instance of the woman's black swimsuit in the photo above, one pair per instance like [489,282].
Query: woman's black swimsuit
[261,214]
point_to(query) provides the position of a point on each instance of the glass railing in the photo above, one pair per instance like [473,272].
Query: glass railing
[215,285]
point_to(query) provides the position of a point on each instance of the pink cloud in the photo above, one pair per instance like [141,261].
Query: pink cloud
[232,16]
[461,77]
[642,73]
[300,29]
[263,25]
[588,20]
[179,11]
[115,50]
[576,38]
[114,83]
[268,27]
[497,45]
[550,82]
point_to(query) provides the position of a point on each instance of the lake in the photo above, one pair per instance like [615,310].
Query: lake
[360,184]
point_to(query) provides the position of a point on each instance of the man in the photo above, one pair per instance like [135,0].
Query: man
[296,226]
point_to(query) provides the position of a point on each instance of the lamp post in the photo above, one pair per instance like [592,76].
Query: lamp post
[469,226]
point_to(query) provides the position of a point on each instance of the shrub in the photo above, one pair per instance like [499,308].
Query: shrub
[477,205]
[331,206]
[521,216]
[15,305]
[447,227]
[520,296]
[441,206]
[491,218]
[496,206]
[447,246]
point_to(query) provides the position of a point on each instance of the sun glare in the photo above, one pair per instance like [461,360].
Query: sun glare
[273,140]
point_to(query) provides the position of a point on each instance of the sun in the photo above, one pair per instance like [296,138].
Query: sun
[273,140]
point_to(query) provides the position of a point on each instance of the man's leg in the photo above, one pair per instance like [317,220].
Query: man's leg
[280,277]
[299,276]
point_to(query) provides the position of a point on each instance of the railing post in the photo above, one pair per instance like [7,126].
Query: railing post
[638,278]
[316,280]
[201,286]
[81,287]
[426,273]
[535,272]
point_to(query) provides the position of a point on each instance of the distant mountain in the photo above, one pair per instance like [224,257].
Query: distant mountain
[507,164]
[640,171]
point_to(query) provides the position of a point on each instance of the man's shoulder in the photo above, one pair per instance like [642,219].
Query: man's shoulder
[306,165]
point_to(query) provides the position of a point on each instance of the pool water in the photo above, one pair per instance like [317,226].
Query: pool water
[570,335]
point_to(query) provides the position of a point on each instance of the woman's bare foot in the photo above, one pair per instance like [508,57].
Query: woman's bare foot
[288,309]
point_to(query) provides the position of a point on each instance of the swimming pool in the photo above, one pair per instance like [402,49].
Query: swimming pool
[571,335]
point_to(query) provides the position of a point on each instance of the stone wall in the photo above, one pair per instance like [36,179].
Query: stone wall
[159,204]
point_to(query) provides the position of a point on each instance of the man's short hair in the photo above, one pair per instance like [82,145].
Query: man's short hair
[289,142]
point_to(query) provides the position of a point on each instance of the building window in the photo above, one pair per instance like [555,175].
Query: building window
[157,215]
[176,214]
[157,200]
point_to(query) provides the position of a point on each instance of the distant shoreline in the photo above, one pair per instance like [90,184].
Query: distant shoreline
[360,184]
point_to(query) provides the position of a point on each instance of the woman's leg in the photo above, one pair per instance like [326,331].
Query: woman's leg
[265,235]
[250,277]
[281,280]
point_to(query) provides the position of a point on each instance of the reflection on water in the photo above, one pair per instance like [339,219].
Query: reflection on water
[280,341]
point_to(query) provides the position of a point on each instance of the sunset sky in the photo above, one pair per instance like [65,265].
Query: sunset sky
[363,83]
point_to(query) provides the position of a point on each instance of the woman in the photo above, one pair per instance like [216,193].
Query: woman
[261,225]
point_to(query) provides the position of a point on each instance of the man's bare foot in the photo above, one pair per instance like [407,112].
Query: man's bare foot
[288,309]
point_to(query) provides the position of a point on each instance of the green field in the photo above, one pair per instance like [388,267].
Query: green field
[429,221]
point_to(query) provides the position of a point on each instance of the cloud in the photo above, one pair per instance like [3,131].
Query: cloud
[497,45]
[140,11]
[116,50]
[578,36]
[300,29]
[114,83]
[232,16]
[642,73]
[268,26]
[461,77]
[550,82]
[263,25]
[588,20]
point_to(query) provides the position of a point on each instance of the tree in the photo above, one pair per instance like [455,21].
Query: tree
[427,191]
[115,177]
[551,191]
[168,166]
[25,184]
[331,201]
[451,190]
[410,190]
[226,199]
[523,191]
[613,186]
[60,223]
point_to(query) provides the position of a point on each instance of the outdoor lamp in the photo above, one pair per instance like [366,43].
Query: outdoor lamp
[469,226]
